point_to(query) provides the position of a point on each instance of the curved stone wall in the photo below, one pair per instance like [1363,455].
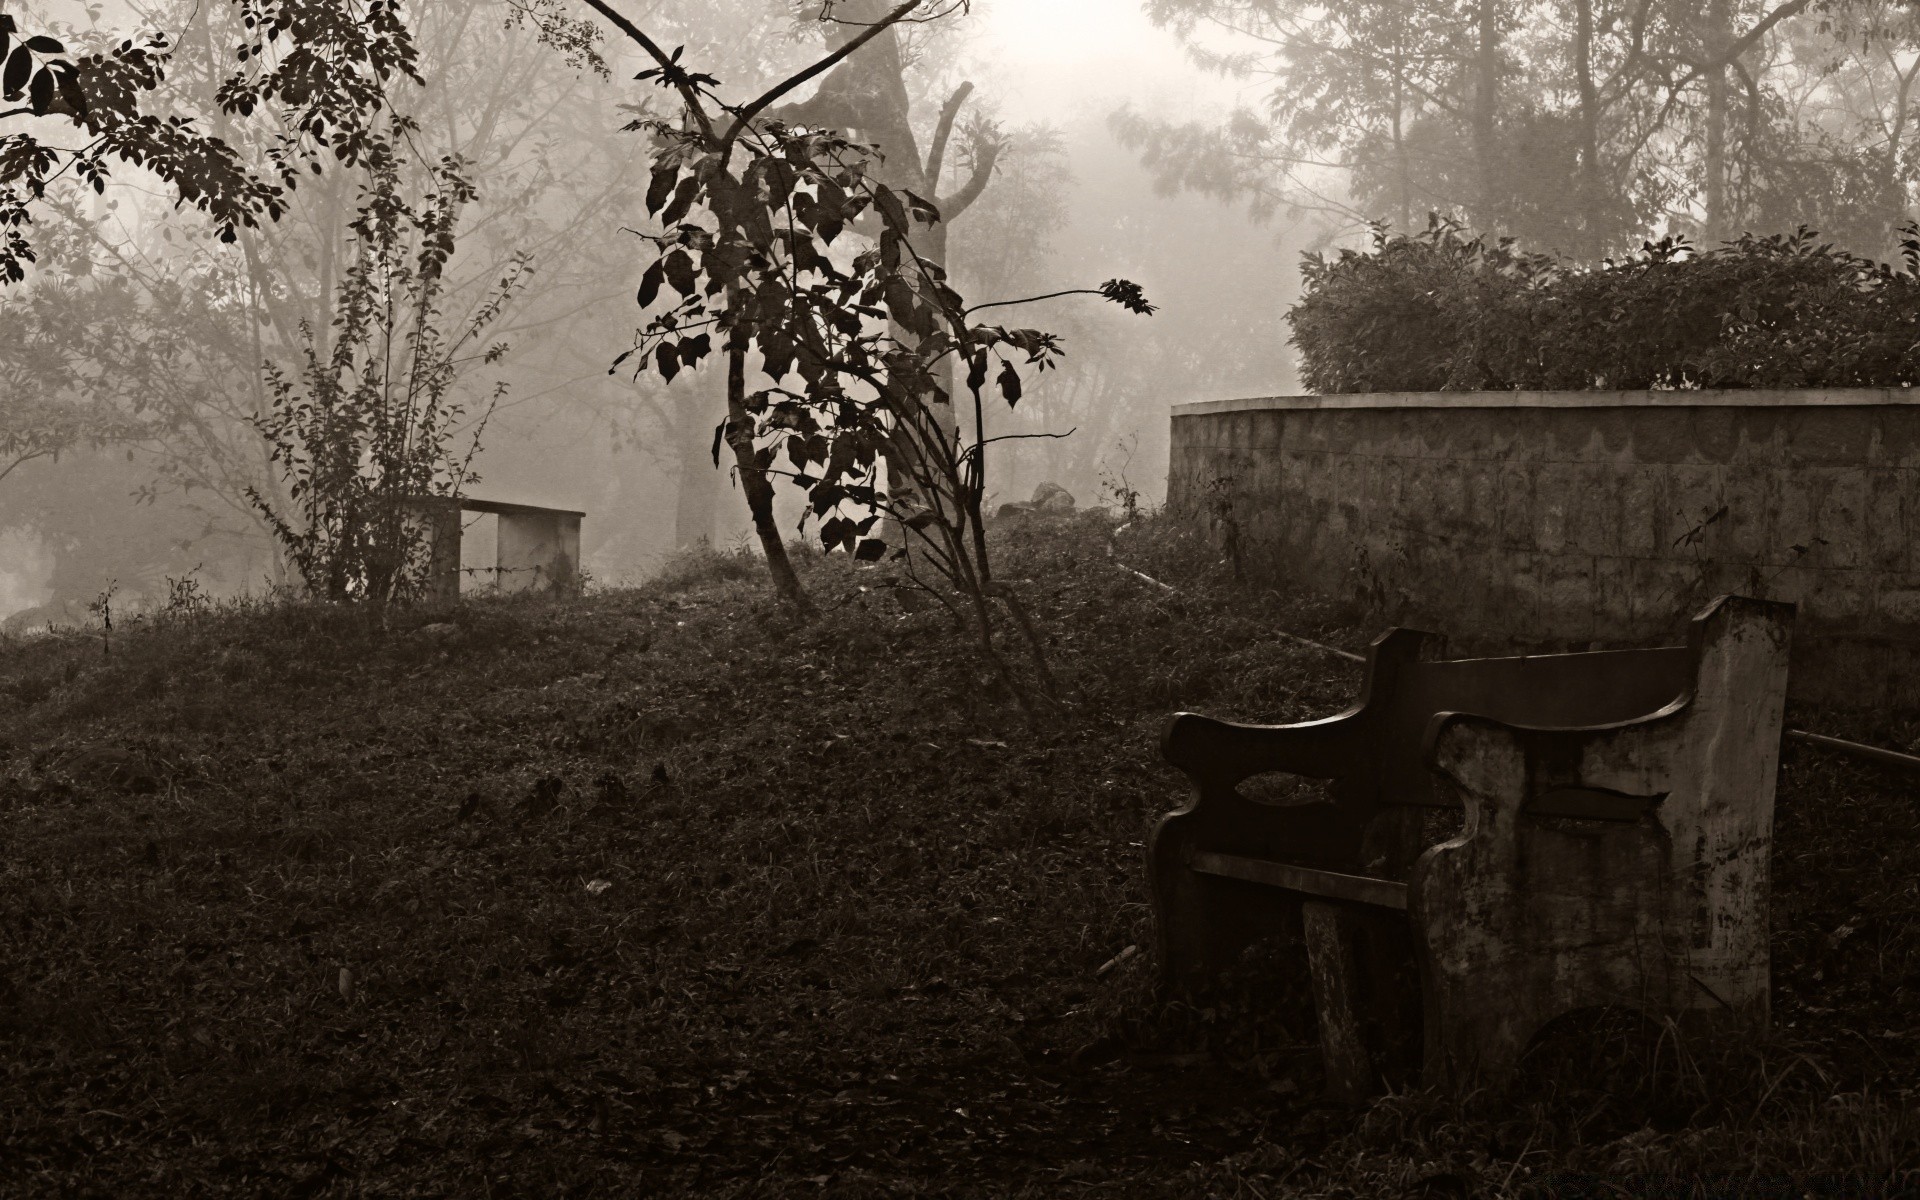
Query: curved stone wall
[1582,518]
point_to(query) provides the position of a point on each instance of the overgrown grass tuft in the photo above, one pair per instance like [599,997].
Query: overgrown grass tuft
[663,891]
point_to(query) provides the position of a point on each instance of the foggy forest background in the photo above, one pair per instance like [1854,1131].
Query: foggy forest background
[1197,147]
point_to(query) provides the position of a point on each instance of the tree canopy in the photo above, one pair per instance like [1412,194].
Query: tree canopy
[1576,125]
[320,66]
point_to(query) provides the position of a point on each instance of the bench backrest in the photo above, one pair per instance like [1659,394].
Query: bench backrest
[1551,690]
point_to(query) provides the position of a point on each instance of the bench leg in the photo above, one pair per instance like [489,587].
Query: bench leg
[1203,923]
[1336,984]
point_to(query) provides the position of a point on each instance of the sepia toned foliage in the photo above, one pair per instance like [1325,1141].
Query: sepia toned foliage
[318,67]
[750,212]
[366,428]
[1575,125]
[1443,311]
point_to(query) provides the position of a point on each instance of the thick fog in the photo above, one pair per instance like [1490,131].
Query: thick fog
[558,182]
[1197,156]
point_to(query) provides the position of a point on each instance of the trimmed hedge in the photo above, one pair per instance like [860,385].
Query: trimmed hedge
[1441,311]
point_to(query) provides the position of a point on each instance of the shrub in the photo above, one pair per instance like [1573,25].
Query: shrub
[1442,311]
[365,428]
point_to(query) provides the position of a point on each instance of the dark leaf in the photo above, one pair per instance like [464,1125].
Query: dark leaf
[650,284]
[776,356]
[824,496]
[678,266]
[40,94]
[42,44]
[719,435]
[666,361]
[682,202]
[1128,295]
[891,210]
[19,66]
[833,531]
[71,92]
[870,550]
[901,302]
[661,187]
[1010,384]
[923,210]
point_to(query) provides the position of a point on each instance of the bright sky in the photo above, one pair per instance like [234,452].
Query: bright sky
[1055,58]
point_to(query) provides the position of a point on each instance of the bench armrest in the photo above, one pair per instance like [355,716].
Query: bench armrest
[1216,754]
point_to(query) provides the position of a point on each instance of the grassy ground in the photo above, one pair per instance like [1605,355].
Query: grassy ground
[660,892]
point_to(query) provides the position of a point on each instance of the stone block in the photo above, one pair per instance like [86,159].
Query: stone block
[1518,481]
[1898,601]
[1694,503]
[1214,429]
[1554,505]
[1525,590]
[1713,434]
[1594,512]
[1898,442]
[1749,492]
[1480,501]
[1842,517]
[1612,597]
[1796,537]
[1416,491]
[1613,433]
[1643,510]
[1303,431]
[1567,597]
[1349,478]
[1665,591]
[1660,435]
[1760,435]
[1793,584]
[1568,435]
[1884,533]
[1836,597]
[1449,491]
[1828,436]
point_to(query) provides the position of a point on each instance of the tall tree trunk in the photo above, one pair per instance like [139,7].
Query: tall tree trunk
[1593,234]
[1890,186]
[1403,166]
[754,482]
[697,493]
[1714,231]
[1485,107]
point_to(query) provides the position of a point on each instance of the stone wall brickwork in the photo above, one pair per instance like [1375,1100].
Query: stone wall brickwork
[1583,518]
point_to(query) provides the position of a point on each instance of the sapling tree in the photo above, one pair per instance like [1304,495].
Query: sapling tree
[366,429]
[849,345]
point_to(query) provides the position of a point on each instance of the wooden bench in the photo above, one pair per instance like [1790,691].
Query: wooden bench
[1618,813]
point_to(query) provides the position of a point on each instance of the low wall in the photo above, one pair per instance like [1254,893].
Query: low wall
[1582,518]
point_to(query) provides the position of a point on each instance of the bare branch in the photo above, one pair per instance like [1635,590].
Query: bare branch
[748,112]
[1016,437]
[29,456]
[1035,299]
[936,157]
[636,34]
[952,206]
